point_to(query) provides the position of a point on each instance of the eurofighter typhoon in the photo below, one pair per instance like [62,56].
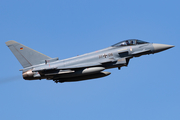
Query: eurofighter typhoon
[37,66]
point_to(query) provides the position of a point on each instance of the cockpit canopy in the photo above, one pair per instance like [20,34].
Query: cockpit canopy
[129,42]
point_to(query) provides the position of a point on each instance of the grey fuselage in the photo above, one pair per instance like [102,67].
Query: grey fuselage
[103,55]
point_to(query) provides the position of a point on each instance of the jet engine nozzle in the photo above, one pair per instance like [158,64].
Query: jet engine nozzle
[28,75]
[161,47]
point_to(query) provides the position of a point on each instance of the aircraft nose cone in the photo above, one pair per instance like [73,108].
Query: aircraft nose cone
[161,47]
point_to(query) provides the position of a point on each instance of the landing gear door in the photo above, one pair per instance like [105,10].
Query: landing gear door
[121,61]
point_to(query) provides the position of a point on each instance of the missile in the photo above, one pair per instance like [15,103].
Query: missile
[81,72]
[84,77]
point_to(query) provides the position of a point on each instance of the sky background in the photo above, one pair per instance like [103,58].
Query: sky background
[148,89]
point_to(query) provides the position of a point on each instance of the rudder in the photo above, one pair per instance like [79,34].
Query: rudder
[25,55]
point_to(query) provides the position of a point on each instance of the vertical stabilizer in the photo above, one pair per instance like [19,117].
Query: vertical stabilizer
[25,55]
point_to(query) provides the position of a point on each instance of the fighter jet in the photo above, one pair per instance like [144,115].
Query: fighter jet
[37,66]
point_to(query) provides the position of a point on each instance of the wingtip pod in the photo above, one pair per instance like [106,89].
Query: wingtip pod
[10,42]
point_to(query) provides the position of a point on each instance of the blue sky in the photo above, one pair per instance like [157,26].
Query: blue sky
[148,89]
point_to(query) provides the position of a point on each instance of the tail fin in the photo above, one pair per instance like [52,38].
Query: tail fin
[25,55]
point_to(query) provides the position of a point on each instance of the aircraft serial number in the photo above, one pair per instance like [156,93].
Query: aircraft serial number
[106,55]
